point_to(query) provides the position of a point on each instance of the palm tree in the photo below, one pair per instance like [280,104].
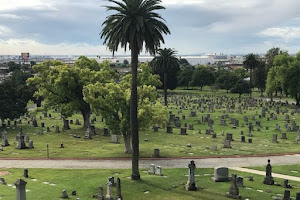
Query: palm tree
[250,63]
[134,24]
[165,63]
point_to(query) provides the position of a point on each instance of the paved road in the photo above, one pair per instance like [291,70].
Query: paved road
[144,163]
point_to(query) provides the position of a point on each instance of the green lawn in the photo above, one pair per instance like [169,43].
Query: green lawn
[47,184]
[170,145]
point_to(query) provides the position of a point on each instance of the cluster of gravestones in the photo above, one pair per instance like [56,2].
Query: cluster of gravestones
[21,139]
[221,174]
[21,189]
[210,103]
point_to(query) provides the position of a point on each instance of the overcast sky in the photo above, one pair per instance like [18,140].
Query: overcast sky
[197,26]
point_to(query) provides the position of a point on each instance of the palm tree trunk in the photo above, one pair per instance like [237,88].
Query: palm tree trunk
[250,83]
[133,114]
[166,88]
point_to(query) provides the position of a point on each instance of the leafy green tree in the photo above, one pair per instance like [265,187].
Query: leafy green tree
[202,76]
[61,85]
[134,24]
[185,76]
[227,80]
[12,66]
[165,63]
[260,77]
[241,87]
[292,81]
[241,73]
[14,95]
[271,54]
[112,101]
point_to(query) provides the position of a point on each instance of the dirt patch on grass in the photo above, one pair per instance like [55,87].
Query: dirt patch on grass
[3,173]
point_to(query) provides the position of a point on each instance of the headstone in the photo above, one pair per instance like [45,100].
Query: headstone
[119,193]
[298,196]
[114,139]
[88,133]
[152,169]
[251,178]
[21,143]
[108,192]
[283,136]
[64,195]
[4,139]
[243,139]
[286,195]
[227,144]
[30,144]
[234,190]
[20,189]
[158,171]
[214,148]
[274,138]
[240,181]
[2,181]
[169,129]
[191,183]
[229,136]
[286,184]
[221,174]
[183,131]
[111,180]
[101,194]
[26,173]
[106,132]
[77,122]
[156,153]
[268,179]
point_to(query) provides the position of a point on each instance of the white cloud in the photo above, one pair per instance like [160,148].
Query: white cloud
[285,33]
[16,46]
[5,31]
[32,4]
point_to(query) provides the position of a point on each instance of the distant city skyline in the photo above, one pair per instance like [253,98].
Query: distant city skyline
[72,27]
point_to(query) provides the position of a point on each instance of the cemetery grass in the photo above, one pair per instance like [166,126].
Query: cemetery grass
[170,145]
[48,184]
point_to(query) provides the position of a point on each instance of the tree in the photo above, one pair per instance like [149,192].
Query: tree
[271,54]
[165,63]
[112,101]
[240,72]
[183,61]
[185,76]
[14,95]
[227,80]
[260,77]
[134,24]
[202,76]
[12,66]
[250,64]
[61,85]
[241,87]
[292,80]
